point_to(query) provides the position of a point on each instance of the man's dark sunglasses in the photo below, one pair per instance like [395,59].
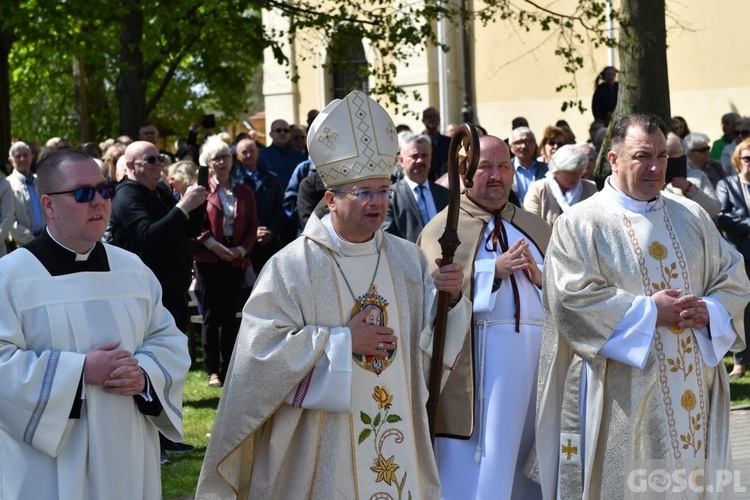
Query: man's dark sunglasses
[161,158]
[86,193]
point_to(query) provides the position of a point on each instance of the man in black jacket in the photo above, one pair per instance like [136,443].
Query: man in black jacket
[147,221]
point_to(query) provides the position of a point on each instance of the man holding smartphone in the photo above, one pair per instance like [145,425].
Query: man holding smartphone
[148,221]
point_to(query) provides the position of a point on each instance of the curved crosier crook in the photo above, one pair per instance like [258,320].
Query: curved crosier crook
[463,157]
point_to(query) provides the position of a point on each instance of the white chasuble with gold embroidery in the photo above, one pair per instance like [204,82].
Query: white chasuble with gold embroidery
[646,392]
[383,449]
[662,266]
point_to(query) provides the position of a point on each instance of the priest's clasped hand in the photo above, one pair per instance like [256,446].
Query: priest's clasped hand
[368,338]
[689,311]
[518,258]
[449,278]
[116,369]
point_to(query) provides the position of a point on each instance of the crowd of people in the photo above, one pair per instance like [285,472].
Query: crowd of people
[587,324]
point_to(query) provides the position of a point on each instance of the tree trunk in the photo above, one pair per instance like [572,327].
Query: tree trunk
[131,86]
[643,77]
[79,87]
[644,81]
[6,42]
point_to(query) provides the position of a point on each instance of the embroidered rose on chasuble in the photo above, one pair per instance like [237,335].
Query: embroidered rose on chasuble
[657,251]
[381,427]
[689,440]
[382,396]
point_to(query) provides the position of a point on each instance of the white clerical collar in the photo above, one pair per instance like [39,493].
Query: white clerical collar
[348,248]
[79,256]
[413,185]
[624,202]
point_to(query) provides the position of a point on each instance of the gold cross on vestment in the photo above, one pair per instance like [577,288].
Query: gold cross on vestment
[569,450]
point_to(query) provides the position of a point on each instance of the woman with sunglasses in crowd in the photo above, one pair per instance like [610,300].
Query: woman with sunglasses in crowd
[229,233]
[552,140]
[698,151]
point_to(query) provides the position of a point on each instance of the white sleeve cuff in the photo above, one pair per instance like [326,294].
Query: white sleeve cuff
[328,386]
[146,394]
[714,347]
[631,340]
[484,275]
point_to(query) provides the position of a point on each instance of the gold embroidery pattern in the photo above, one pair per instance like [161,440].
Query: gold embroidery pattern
[378,315]
[391,132]
[659,252]
[686,282]
[663,384]
[327,136]
[639,254]
[384,468]
[687,401]
[569,449]
[685,347]
[657,343]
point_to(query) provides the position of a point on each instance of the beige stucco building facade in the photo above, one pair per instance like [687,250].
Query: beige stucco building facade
[515,72]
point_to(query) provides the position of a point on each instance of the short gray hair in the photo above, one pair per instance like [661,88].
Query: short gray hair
[410,139]
[568,158]
[16,146]
[693,139]
[521,130]
[213,145]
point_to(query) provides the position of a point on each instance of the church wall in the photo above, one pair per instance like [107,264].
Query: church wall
[515,73]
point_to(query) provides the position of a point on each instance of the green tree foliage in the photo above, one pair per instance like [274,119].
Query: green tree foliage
[168,62]
[164,62]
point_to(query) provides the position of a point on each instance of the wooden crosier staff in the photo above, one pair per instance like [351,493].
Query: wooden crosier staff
[463,156]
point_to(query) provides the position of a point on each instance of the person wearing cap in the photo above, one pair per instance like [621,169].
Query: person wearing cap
[562,186]
[325,396]
[91,361]
[486,413]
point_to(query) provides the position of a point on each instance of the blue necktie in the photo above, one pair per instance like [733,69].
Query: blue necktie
[37,219]
[422,202]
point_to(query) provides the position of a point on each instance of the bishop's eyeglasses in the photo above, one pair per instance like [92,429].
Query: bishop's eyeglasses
[366,195]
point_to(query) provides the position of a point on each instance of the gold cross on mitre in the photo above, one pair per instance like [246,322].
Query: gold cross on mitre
[569,449]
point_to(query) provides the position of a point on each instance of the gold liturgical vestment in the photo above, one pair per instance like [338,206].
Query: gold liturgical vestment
[675,407]
[263,447]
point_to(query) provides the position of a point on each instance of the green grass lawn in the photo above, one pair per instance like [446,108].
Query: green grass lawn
[739,388]
[199,407]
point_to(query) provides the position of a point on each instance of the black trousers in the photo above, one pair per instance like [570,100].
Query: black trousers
[743,357]
[220,290]
[176,302]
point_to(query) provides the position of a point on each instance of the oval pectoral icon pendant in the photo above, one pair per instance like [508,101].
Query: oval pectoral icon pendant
[377,315]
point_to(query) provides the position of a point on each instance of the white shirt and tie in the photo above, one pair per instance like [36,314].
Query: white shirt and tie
[423,197]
